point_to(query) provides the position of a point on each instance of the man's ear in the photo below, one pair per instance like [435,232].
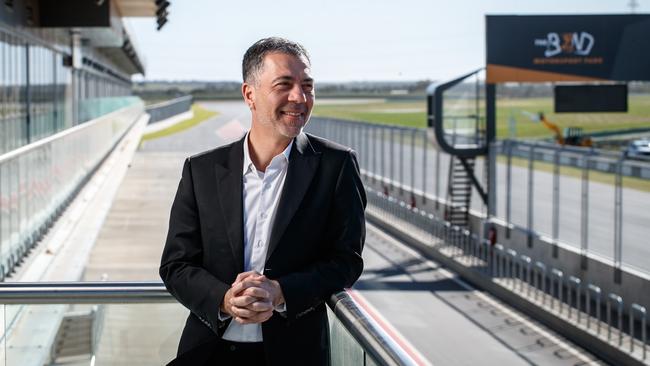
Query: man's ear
[248,92]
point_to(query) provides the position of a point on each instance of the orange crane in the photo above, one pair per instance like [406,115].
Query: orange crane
[553,127]
[570,136]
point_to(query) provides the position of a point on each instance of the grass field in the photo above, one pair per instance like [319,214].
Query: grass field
[200,115]
[413,114]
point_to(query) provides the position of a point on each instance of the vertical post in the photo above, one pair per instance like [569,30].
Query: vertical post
[575,283]
[359,128]
[584,212]
[28,97]
[437,178]
[477,111]
[383,157]
[365,141]
[618,221]
[77,58]
[556,201]
[401,161]
[509,144]
[366,147]
[490,138]
[595,292]
[362,146]
[392,158]
[373,136]
[424,166]
[337,132]
[413,132]
[531,186]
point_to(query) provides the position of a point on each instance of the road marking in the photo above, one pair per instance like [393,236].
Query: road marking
[389,328]
[581,355]
[232,130]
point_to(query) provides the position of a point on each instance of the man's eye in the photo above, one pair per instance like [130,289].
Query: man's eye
[308,87]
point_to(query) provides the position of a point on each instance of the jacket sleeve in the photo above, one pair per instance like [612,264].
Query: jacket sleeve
[181,264]
[305,290]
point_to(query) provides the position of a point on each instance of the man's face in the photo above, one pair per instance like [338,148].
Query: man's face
[282,96]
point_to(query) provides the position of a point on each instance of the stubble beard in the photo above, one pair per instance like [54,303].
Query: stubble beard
[290,129]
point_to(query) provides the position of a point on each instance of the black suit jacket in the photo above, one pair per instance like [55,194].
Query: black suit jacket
[314,248]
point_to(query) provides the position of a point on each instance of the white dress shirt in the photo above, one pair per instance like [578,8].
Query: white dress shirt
[261,195]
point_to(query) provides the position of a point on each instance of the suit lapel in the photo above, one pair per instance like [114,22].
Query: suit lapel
[229,190]
[303,163]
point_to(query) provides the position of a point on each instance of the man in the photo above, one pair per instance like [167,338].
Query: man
[264,230]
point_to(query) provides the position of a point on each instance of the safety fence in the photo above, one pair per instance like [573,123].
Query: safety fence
[599,160]
[146,315]
[402,156]
[170,108]
[572,198]
[590,200]
[38,181]
[604,316]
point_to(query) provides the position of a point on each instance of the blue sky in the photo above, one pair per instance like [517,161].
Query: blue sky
[353,40]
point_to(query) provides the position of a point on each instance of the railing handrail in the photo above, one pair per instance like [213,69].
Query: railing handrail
[374,340]
[82,292]
[9,155]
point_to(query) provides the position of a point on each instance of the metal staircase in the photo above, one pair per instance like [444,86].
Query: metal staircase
[459,190]
[78,335]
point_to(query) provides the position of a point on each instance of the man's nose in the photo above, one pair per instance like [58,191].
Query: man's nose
[297,94]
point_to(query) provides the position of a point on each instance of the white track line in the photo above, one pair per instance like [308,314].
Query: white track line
[389,328]
[582,356]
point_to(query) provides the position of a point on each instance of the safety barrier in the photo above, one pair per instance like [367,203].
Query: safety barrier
[170,108]
[605,161]
[38,181]
[537,200]
[355,339]
[581,305]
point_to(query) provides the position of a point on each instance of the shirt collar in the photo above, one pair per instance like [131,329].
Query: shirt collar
[248,163]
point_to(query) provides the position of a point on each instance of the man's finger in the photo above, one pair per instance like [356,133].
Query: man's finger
[260,306]
[243,285]
[257,292]
[243,312]
[243,275]
[243,301]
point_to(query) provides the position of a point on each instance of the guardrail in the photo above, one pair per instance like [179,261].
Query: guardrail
[37,181]
[371,342]
[170,108]
[566,298]
[605,161]
[538,200]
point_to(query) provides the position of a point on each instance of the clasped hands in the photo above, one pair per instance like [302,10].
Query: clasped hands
[252,298]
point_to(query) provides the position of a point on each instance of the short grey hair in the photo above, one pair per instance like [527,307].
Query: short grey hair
[254,56]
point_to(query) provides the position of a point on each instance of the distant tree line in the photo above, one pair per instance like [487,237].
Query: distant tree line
[161,90]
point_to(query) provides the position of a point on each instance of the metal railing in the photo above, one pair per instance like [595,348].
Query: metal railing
[537,197]
[582,305]
[599,160]
[576,196]
[371,343]
[399,156]
[170,108]
[38,180]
